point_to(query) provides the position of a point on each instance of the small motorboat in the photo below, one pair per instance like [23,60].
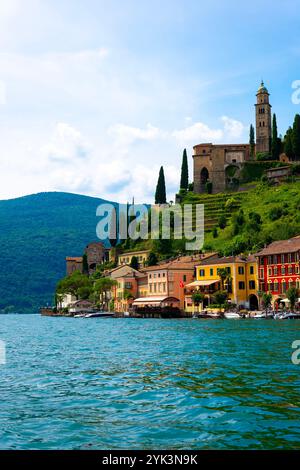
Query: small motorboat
[288,316]
[80,315]
[100,315]
[232,316]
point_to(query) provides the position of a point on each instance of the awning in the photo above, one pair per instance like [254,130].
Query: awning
[202,283]
[155,300]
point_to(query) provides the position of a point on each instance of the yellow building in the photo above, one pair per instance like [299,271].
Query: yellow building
[142,257]
[239,278]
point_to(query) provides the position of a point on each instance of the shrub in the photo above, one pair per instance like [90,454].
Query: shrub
[275,213]
[215,232]
[222,222]
[263,156]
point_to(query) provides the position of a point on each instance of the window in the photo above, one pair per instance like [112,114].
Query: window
[290,269]
[261,273]
[241,285]
[261,260]
[297,269]
[269,259]
[201,272]
[154,287]
[228,269]
[275,271]
[276,286]
[150,287]
[282,259]
[270,271]
[184,278]
[275,260]
[283,270]
[241,269]
[252,285]
[289,258]
[211,271]
[149,276]
[251,269]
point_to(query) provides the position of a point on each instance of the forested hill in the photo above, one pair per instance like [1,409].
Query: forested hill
[37,232]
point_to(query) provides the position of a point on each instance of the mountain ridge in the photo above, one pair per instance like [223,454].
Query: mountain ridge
[37,232]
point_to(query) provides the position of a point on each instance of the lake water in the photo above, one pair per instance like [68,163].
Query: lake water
[144,383]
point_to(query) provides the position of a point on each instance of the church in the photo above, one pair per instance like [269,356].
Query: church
[221,164]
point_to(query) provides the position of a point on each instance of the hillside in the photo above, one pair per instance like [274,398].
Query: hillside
[36,234]
[253,218]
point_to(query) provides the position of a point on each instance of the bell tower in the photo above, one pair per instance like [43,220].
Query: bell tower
[263,114]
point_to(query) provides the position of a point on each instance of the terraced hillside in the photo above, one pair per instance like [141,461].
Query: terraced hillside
[216,205]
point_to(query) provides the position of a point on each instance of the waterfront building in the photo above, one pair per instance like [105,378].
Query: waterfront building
[167,279]
[241,282]
[130,285]
[278,267]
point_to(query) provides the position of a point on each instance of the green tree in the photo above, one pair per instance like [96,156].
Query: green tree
[184,180]
[160,193]
[275,145]
[85,266]
[134,263]
[252,142]
[296,137]
[152,259]
[220,297]
[102,286]
[222,221]
[288,144]
[197,298]
[292,294]
[266,299]
[74,284]
[223,275]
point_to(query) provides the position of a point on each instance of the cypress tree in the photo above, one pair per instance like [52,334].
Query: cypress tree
[296,137]
[252,142]
[288,144]
[184,180]
[275,147]
[160,193]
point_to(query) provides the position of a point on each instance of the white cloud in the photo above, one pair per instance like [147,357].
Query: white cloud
[233,129]
[127,135]
[2,92]
[66,145]
[201,132]
[197,132]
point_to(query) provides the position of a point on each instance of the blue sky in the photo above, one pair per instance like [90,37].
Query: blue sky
[96,95]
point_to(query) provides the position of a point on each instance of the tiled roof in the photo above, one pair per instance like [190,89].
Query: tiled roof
[281,246]
[226,260]
[182,263]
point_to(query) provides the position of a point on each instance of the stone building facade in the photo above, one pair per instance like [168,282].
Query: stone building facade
[221,164]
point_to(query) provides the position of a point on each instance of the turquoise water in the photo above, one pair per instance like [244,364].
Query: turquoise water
[130,383]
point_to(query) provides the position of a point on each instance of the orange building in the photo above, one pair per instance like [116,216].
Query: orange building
[168,279]
[130,285]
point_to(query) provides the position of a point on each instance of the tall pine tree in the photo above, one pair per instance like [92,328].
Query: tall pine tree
[252,142]
[288,144]
[275,145]
[184,180]
[296,137]
[160,193]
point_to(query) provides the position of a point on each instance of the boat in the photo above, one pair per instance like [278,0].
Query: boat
[260,315]
[100,315]
[232,316]
[288,316]
[80,315]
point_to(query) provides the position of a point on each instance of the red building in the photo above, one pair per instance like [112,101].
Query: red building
[278,267]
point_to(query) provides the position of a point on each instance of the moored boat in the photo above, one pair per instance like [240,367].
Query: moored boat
[100,315]
[232,316]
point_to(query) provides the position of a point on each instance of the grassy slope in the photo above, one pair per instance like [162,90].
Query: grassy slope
[37,232]
[261,200]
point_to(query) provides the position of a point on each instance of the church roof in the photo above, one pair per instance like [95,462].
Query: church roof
[262,88]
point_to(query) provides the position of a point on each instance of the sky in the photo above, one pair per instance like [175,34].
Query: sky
[96,95]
